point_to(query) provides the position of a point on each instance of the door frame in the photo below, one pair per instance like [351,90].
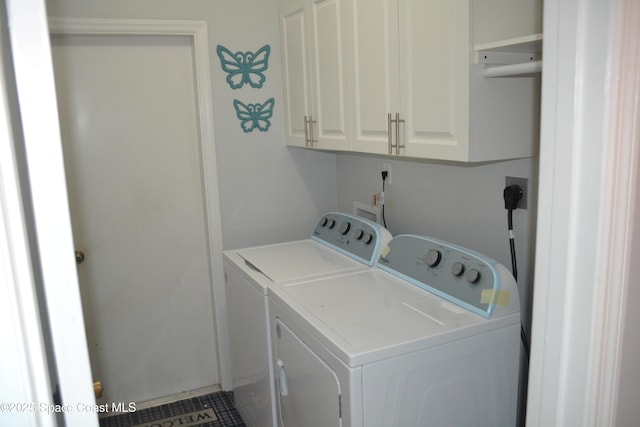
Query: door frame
[47,265]
[587,210]
[198,33]
[25,371]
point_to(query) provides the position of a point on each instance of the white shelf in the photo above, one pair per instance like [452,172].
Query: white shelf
[525,44]
[513,57]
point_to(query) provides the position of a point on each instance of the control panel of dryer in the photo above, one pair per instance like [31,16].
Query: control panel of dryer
[461,276]
[356,237]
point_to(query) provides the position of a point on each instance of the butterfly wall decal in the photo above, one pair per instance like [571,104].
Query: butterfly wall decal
[244,67]
[254,116]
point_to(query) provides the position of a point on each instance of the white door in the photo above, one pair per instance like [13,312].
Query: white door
[129,122]
[307,390]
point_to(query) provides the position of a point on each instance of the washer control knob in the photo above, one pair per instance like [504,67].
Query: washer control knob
[457,269]
[345,227]
[473,276]
[324,221]
[433,257]
[359,234]
[330,223]
[367,238]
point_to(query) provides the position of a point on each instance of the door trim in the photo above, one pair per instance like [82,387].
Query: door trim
[25,371]
[198,33]
[51,244]
[620,215]
[585,246]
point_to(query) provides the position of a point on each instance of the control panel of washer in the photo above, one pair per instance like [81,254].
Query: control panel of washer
[356,237]
[462,276]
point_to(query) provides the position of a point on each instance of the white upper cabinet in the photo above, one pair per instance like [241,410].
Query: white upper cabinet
[315,62]
[410,75]
[434,58]
[375,73]
[294,35]
[405,78]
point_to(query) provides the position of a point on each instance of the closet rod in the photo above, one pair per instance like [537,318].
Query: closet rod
[513,69]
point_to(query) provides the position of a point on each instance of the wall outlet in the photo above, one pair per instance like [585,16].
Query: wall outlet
[522,183]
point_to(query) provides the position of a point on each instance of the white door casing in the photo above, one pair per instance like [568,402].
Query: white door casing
[24,372]
[161,196]
[587,217]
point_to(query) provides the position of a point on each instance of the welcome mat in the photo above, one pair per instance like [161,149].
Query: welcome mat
[192,419]
[209,410]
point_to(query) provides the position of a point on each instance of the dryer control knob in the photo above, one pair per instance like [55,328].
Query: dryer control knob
[359,234]
[330,223]
[457,269]
[433,257]
[367,238]
[473,276]
[344,227]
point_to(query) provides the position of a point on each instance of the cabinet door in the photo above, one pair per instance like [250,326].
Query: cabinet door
[434,77]
[294,33]
[375,72]
[329,61]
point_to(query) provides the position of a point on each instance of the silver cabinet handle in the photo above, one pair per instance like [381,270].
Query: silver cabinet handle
[389,133]
[311,139]
[306,131]
[397,122]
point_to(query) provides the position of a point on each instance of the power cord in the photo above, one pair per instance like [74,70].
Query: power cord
[512,195]
[384,178]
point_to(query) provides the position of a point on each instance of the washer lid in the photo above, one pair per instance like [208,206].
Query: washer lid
[298,260]
[372,315]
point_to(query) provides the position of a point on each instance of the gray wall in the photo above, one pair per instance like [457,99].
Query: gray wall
[268,193]
[271,193]
[461,204]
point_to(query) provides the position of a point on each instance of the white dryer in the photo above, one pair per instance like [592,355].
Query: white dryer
[429,338]
[339,244]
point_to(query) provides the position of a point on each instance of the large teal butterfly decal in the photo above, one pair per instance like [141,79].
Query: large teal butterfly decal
[254,116]
[244,67]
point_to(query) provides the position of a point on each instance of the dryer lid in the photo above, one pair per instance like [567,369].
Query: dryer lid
[297,261]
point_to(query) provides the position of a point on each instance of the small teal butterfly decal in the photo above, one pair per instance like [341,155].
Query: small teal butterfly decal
[245,68]
[254,116]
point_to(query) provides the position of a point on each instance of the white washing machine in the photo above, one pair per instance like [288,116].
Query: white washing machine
[339,244]
[429,338]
